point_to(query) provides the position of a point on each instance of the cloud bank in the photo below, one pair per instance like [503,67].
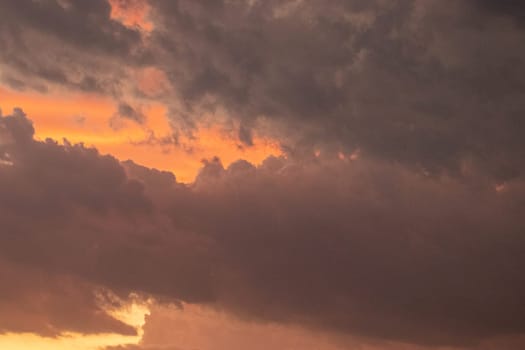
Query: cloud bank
[395,214]
[430,86]
[357,247]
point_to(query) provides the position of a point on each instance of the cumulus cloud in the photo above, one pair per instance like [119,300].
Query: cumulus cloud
[360,247]
[62,207]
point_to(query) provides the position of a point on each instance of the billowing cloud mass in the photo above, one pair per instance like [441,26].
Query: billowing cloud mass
[394,218]
[428,85]
[418,82]
[359,247]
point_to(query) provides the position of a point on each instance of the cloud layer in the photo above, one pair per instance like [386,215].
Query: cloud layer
[359,247]
[395,214]
[427,85]
[417,82]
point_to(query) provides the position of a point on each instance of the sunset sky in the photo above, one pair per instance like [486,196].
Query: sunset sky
[262,174]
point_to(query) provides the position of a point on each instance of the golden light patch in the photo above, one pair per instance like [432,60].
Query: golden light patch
[133,314]
[26,341]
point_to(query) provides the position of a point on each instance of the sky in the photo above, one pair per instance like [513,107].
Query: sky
[262,174]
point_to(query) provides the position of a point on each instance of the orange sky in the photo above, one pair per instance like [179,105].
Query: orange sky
[81,117]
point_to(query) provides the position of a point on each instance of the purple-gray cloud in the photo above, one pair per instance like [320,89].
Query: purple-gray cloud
[418,240]
[430,86]
[360,247]
[416,82]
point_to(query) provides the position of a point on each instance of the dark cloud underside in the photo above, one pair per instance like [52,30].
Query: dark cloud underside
[361,247]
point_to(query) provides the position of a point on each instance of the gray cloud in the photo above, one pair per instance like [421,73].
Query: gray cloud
[360,247]
[67,43]
[512,8]
[245,135]
[68,213]
[427,85]
[127,112]
[350,248]
[430,86]
[411,242]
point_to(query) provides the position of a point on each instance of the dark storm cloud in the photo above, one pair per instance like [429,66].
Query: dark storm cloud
[366,248]
[67,210]
[71,43]
[419,240]
[428,85]
[84,24]
[433,87]
[512,8]
[360,247]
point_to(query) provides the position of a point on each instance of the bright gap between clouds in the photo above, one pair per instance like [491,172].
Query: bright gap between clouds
[85,118]
[133,314]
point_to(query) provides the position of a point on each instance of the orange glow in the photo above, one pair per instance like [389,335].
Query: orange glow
[133,315]
[25,341]
[131,13]
[81,117]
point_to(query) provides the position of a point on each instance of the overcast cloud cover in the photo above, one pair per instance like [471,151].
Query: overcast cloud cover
[407,226]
